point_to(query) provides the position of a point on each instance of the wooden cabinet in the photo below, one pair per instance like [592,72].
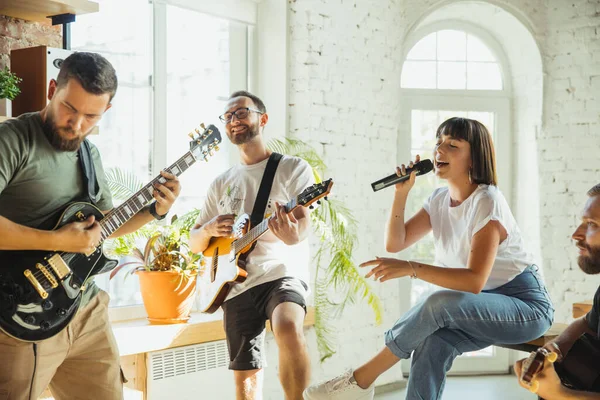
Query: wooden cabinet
[40,10]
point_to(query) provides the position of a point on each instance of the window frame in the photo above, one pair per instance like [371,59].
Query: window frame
[497,101]
[242,56]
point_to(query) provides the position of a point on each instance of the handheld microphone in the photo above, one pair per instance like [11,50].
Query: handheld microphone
[422,167]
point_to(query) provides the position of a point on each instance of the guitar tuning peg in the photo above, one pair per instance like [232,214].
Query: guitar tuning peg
[212,153]
[197,131]
[216,148]
[202,126]
[191,135]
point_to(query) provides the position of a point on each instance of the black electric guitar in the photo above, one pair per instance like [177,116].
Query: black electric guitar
[40,291]
[225,257]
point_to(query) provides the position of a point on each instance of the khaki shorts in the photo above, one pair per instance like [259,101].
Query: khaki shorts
[81,362]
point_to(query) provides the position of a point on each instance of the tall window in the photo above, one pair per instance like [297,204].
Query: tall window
[452,73]
[176,67]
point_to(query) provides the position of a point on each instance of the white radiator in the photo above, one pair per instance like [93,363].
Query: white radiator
[197,372]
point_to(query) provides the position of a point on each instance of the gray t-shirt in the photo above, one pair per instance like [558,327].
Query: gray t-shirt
[36,180]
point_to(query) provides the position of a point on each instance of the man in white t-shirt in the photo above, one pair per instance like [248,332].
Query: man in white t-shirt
[276,286]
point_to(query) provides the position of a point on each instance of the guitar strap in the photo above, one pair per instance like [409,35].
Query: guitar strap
[89,173]
[260,204]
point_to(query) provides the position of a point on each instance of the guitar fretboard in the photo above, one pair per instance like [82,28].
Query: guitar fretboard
[123,213]
[259,230]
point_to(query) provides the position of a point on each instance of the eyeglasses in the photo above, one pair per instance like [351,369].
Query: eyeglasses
[240,113]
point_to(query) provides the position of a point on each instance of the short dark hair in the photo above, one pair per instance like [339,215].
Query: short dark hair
[483,155]
[257,102]
[94,72]
[595,191]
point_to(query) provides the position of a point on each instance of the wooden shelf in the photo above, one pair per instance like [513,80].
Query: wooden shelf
[40,10]
[580,309]
[139,336]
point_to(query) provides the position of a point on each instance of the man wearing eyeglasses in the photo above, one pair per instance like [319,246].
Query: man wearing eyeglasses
[276,286]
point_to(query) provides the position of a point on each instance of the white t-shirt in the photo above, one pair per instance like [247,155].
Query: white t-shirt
[234,192]
[454,228]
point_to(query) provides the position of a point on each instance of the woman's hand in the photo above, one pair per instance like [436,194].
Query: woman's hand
[405,186]
[387,268]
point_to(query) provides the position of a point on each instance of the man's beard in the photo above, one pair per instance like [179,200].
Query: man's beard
[589,264]
[53,133]
[245,137]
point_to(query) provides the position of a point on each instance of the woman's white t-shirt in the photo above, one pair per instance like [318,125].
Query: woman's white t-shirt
[454,228]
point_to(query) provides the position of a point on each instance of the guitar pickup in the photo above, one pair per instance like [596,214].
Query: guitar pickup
[48,275]
[59,266]
[36,284]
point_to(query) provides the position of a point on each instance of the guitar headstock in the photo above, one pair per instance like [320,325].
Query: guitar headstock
[314,193]
[205,141]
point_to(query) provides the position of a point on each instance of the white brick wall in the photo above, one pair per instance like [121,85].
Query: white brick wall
[344,79]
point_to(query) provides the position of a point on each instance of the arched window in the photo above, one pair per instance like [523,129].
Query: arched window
[451,59]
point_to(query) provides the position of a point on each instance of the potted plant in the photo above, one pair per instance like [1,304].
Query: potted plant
[9,89]
[160,257]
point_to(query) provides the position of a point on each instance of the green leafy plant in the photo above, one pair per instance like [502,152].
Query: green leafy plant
[166,246]
[9,84]
[336,228]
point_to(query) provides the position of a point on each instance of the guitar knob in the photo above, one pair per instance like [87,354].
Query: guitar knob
[318,201]
[30,319]
[311,207]
[47,305]
[45,325]
[325,198]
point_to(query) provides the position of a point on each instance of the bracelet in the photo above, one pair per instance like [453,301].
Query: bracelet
[153,212]
[414,274]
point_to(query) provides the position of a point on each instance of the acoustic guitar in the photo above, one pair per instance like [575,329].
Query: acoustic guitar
[225,257]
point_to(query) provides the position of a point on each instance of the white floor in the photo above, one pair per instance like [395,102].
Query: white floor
[486,387]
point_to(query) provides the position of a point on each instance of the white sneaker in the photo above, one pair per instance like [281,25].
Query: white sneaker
[342,387]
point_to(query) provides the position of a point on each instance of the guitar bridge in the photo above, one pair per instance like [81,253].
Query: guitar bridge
[36,284]
[48,275]
[58,265]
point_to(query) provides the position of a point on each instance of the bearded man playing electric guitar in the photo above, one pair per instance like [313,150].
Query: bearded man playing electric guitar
[277,269]
[45,164]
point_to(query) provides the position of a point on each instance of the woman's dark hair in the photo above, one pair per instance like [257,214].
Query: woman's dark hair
[95,74]
[483,156]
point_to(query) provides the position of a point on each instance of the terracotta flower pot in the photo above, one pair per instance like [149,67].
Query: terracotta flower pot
[168,298]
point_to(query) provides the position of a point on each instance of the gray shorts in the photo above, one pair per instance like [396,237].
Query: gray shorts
[245,315]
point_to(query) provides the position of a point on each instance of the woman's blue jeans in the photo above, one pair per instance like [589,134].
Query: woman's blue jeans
[449,323]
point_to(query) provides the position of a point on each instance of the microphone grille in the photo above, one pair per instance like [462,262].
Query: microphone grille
[424,166]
